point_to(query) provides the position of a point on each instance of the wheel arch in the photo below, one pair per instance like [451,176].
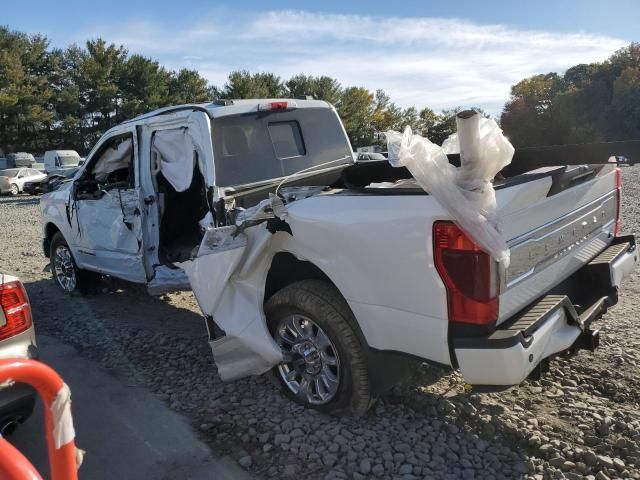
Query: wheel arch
[50,229]
[287,269]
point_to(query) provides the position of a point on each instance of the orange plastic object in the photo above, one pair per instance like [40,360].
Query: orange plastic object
[62,461]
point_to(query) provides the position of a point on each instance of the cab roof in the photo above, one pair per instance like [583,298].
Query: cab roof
[221,108]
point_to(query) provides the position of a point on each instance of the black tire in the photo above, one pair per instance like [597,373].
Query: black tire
[15,190]
[325,306]
[85,283]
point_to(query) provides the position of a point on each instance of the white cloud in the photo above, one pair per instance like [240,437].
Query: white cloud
[435,62]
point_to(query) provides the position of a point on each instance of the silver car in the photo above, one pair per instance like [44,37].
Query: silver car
[17,340]
[12,180]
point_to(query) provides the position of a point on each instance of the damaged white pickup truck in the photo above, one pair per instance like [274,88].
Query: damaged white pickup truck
[338,275]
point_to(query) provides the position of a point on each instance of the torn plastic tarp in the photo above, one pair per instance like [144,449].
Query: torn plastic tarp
[175,148]
[466,192]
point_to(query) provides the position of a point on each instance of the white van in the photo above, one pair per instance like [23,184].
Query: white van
[60,160]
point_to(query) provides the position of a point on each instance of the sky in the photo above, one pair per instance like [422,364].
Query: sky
[436,54]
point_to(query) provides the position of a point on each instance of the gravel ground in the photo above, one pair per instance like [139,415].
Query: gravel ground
[580,421]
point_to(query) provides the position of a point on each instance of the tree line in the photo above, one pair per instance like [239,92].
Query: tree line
[67,98]
[589,103]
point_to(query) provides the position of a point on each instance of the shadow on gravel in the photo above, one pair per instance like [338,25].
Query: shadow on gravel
[19,201]
[117,302]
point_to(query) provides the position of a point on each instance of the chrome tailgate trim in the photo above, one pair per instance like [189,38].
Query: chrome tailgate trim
[537,249]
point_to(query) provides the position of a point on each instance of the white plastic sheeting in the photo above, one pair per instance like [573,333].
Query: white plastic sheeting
[113,159]
[466,192]
[175,148]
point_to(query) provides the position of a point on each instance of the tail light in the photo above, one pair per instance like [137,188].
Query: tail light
[277,106]
[616,228]
[15,306]
[469,274]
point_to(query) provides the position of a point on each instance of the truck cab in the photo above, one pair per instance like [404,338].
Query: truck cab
[149,188]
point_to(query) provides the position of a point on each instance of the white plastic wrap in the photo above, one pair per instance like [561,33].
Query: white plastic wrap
[466,192]
[113,159]
[175,148]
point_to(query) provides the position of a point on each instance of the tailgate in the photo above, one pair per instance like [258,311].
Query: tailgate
[556,224]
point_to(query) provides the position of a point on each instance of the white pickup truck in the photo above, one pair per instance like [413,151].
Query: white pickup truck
[303,265]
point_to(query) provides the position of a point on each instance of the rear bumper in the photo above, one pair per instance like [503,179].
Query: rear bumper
[559,321]
[16,403]
[18,400]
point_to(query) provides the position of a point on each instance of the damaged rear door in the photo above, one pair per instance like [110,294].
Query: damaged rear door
[176,173]
[104,210]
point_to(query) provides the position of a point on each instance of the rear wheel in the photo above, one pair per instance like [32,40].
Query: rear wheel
[14,189]
[66,274]
[324,363]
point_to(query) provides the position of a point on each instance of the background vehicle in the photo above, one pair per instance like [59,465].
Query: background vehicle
[50,182]
[60,159]
[17,340]
[38,166]
[266,192]
[20,159]
[369,156]
[12,180]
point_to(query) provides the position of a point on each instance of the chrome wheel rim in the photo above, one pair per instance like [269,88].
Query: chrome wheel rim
[14,190]
[311,366]
[64,269]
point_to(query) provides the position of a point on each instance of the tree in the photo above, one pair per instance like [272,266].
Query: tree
[625,103]
[356,110]
[98,79]
[26,109]
[243,84]
[321,88]
[386,116]
[428,120]
[590,103]
[188,86]
[143,85]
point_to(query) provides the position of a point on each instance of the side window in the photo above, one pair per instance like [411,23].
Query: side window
[113,164]
[21,174]
[287,139]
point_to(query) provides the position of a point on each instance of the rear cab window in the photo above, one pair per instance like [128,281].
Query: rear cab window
[286,139]
[259,146]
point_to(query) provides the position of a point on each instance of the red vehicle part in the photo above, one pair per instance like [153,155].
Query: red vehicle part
[63,461]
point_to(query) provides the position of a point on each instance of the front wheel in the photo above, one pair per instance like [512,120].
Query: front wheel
[66,273]
[14,189]
[324,363]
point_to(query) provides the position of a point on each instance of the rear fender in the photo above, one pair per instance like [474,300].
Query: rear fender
[228,278]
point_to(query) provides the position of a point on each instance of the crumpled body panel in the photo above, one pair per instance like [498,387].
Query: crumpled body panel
[112,223]
[227,278]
